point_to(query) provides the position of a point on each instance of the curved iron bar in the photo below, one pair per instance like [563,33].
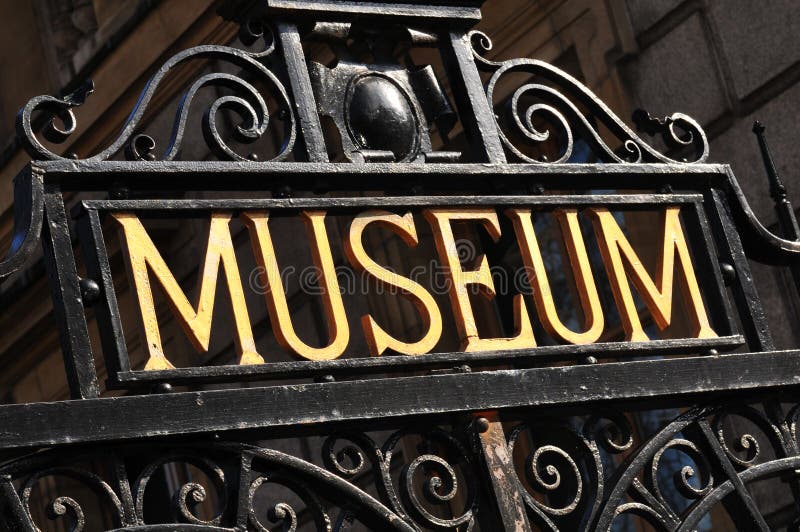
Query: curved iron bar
[439,489]
[336,489]
[759,472]
[140,146]
[682,477]
[678,130]
[759,243]
[28,216]
[545,514]
[627,476]
[282,511]
[746,441]
[67,506]
[190,493]
[649,502]
[285,469]
[174,528]
[582,458]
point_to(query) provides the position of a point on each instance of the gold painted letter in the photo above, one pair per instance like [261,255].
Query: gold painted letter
[581,270]
[378,339]
[656,295]
[141,253]
[465,320]
[338,330]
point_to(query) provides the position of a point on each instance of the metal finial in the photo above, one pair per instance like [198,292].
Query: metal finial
[787,220]
[776,188]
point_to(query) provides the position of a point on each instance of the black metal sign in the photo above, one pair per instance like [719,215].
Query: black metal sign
[553,390]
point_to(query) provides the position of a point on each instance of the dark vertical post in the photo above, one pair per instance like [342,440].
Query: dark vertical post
[499,469]
[302,92]
[474,108]
[790,231]
[14,515]
[95,257]
[243,491]
[783,207]
[122,486]
[748,304]
[67,301]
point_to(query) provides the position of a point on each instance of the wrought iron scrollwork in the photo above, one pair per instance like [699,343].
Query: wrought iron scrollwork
[28,217]
[562,475]
[189,494]
[65,507]
[282,512]
[709,470]
[441,473]
[238,474]
[561,103]
[246,101]
[574,473]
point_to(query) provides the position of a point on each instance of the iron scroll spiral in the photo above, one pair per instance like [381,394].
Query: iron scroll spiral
[66,507]
[239,474]
[188,494]
[559,104]
[282,512]
[562,477]
[432,480]
[246,101]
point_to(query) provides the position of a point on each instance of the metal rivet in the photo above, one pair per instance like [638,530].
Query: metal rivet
[253,156]
[162,387]
[728,272]
[325,378]
[90,291]
[590,360]
[712,352]
[482,424]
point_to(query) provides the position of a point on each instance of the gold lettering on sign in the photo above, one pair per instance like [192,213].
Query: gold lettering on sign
[378,339]
[594,322]
[440,220]
[614,247]
[143,258]
[338,330]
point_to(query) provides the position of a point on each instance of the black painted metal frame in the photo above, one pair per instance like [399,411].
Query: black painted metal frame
[216,430]
[113,337]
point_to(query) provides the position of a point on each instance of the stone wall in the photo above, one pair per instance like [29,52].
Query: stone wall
[727,63]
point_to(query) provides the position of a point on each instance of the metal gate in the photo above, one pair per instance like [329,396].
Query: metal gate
[547,437]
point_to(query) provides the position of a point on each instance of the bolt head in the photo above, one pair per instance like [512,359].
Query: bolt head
[90,291]
[482,425]
[728,272]
[162,387]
